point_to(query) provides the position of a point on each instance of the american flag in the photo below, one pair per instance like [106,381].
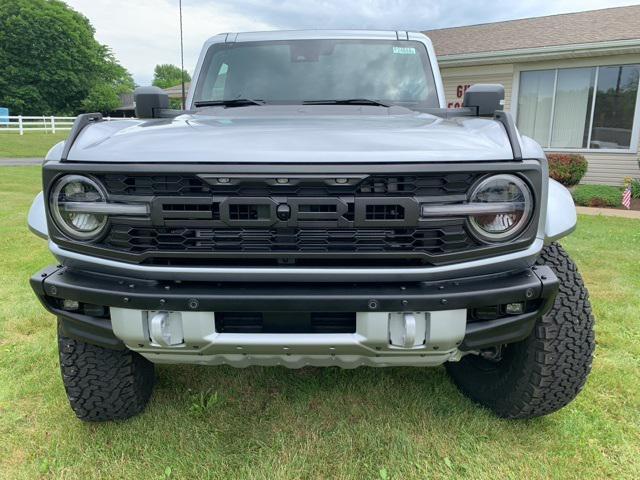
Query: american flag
[626,197]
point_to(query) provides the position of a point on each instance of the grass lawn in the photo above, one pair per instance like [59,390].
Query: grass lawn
[29,145]
[275,423]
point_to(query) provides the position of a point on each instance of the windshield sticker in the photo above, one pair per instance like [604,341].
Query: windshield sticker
[404,50]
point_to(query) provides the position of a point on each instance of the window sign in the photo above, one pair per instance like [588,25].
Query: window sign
[460,89]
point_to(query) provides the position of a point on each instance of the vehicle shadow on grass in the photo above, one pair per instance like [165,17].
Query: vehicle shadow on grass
[320,399]
[271,422]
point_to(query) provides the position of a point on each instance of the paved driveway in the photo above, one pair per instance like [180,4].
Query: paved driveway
[609,212]
[17,162]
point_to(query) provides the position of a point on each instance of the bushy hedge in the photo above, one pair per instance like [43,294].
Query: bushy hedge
[567,168]
[635,188]
[597,196]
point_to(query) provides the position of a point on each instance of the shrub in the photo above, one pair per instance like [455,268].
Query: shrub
[567,168]
[597,195]
[635,188]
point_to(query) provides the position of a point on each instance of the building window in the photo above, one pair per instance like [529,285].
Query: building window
[615,107]
[557,107]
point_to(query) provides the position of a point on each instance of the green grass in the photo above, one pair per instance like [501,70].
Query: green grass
[273,423]
[29,145]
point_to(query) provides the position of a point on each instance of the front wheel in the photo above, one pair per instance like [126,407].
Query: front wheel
[545,371]
[104,384]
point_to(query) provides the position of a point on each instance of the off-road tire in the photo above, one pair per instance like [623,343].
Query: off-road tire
[104,384]
[547,370]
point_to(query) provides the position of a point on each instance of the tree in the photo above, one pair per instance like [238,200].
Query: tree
[50,62]
[167,75]
[114,80]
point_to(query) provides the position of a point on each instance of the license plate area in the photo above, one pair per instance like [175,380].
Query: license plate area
[285,322]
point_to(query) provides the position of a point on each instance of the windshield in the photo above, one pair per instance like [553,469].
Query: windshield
[297,71]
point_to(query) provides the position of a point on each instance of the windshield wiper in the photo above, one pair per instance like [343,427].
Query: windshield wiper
[348,101]
[235,102]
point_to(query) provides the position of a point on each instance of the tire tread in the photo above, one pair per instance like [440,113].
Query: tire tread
[104,384]
[547,370]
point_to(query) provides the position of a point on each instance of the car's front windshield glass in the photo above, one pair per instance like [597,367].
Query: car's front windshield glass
[297,71]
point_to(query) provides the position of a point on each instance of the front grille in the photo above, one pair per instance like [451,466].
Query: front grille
[385,212]
[433,241]
[357,220]
[375,185]
[145,185]
[293,215]
[248,212]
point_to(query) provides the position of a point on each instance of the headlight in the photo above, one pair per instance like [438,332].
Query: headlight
[75,205]
[508,205]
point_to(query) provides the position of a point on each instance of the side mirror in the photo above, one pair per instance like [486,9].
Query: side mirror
[485,97]
[148,100]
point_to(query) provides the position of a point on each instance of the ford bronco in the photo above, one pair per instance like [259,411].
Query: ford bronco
[315,204]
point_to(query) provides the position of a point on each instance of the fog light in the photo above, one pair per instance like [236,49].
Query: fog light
[514,308]
[70,305]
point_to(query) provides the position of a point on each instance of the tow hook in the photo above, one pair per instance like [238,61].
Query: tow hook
[165,330]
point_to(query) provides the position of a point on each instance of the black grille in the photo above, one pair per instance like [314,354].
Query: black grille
[432,240]
[436,184]
[154,185]
[248,212]
[312,220]
[320,216]
[384,212]
[285,322]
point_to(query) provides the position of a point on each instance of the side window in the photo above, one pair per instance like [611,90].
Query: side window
[217,92]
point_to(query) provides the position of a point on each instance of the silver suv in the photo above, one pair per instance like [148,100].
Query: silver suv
[316,204]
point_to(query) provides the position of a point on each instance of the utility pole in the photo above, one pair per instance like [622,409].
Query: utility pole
[182,57]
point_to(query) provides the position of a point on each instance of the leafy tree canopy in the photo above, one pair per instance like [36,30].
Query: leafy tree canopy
[167,75]
[50,62]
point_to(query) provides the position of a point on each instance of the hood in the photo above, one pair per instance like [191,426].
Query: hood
[294,134]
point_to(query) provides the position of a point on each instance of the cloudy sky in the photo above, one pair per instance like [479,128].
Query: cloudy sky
[143,33]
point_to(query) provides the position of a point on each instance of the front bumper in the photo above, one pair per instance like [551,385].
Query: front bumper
[512,261]
[536,287]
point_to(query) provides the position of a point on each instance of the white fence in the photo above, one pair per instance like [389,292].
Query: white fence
[22,124]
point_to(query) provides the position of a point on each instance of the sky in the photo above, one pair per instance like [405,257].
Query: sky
[143,33]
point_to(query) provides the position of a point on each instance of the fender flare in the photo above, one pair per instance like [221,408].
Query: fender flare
[561,217]
[37,219]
